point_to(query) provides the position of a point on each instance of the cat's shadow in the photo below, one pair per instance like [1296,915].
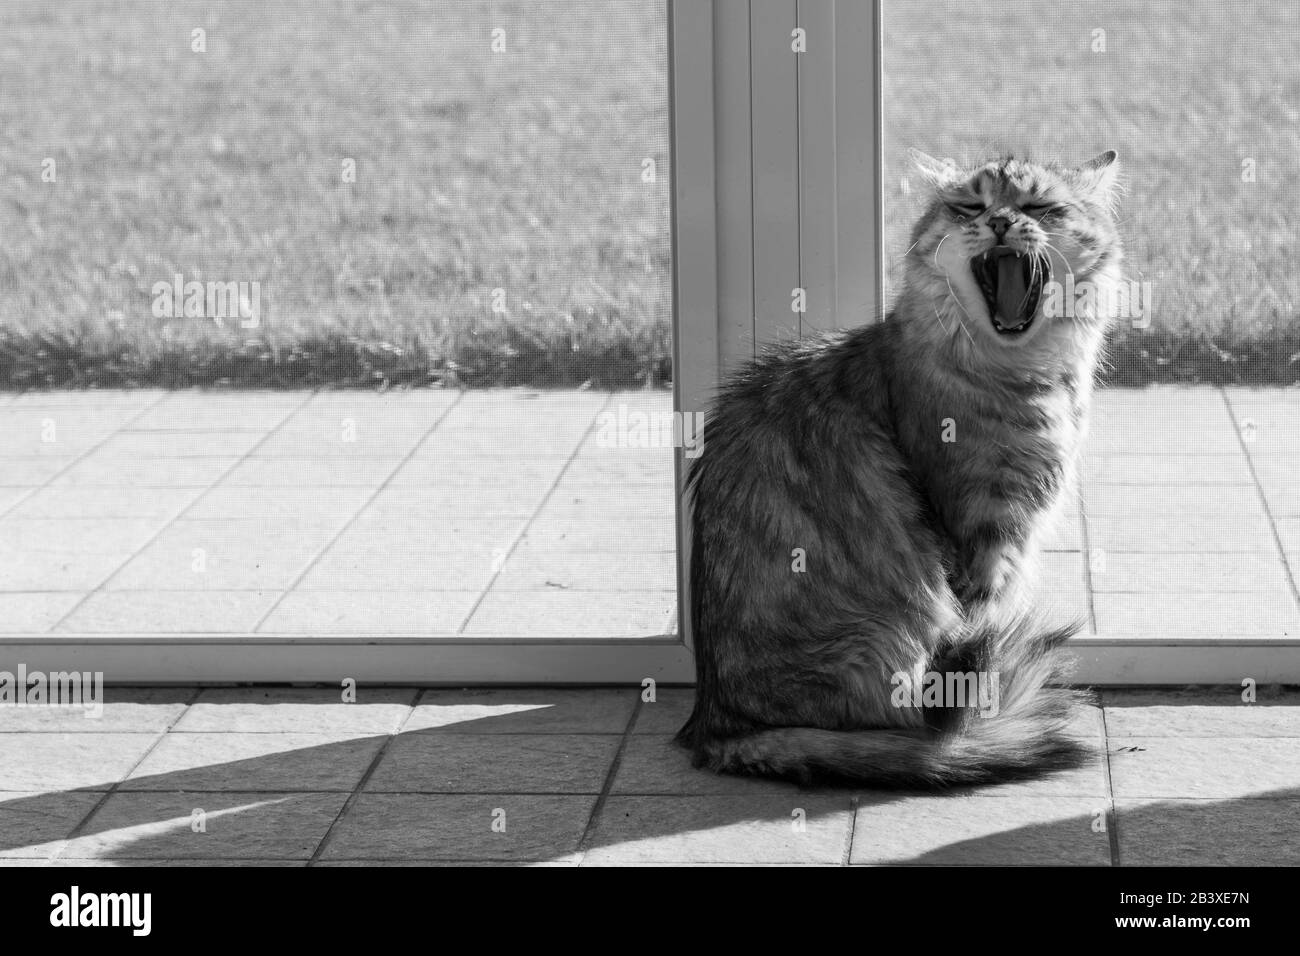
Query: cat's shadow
[655,808]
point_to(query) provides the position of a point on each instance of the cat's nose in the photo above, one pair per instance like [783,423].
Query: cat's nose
[999,225]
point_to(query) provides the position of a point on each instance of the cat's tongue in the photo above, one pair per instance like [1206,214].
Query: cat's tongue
[1013,290]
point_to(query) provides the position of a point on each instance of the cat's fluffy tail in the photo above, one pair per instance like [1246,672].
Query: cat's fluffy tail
[1028,734]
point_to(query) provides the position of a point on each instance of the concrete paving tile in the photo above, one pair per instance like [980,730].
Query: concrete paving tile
[573,614]
[321,502]
[791,828]
[57,570]
[514,439]
[613,466]
[1208,832]
[46,762]
[1153,401]
[525,711]
[32,471]
[981,831]
[653,764]
[353,570]
[370,612]
[611,504]
[95,503]
[607,535]
[75,536]
[145,861]
[342,435]
[161,612]
[243,826]
[179,444]
[1266,406]
[1183,572]
[1282,495]
[212,555]
[124,710]
[1276,474]
[311,471]
[1166,469]
[1200,713]
[457,499]
[256,761]
[407,537]
[114,471]
[34,612]
[1198,533]
[1288,529]
[55,432]
[533,568]
[394,401]
[496,763]
[254,410]
[1199,767]
[285,710]
[1194,434]
[14,498]
[1171,500]
[390,826]
[34,825]
[569,860]
[431,468]
[666,713]
[109,399]
[1224,615]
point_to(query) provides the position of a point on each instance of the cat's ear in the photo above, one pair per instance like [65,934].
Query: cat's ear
[1099,174]
[936,172]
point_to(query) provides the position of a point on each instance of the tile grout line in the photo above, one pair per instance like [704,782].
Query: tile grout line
[1112,814]
[1263,499]
[178,516]
[614,767]
[356,791]
[568,462]
[115,789]
[1086,541]
[78,459]
[846,858]
[370,499]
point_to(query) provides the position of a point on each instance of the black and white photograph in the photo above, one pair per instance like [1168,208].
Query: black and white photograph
[651,433]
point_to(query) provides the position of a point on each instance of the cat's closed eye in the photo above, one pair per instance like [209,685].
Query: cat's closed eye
[964,211]
[1041,210]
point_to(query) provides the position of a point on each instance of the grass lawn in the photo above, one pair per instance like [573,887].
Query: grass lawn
[522,171]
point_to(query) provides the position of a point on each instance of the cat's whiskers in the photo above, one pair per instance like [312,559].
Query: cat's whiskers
[953,295]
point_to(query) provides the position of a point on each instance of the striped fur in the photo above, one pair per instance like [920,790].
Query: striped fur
[868,504]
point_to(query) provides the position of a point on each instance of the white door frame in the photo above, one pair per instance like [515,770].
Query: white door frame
[763,137]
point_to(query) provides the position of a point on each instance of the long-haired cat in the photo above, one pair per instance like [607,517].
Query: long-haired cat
[867,505]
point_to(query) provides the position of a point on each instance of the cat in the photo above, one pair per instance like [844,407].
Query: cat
[868,504]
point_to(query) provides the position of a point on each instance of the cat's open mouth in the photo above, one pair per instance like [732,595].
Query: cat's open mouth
[1012,283]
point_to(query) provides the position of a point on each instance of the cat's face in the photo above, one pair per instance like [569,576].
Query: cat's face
[1004,245]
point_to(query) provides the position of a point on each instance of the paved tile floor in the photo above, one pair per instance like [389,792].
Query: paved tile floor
[545,514]
[293,776]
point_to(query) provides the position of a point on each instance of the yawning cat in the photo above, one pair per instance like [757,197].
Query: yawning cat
[867,505]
